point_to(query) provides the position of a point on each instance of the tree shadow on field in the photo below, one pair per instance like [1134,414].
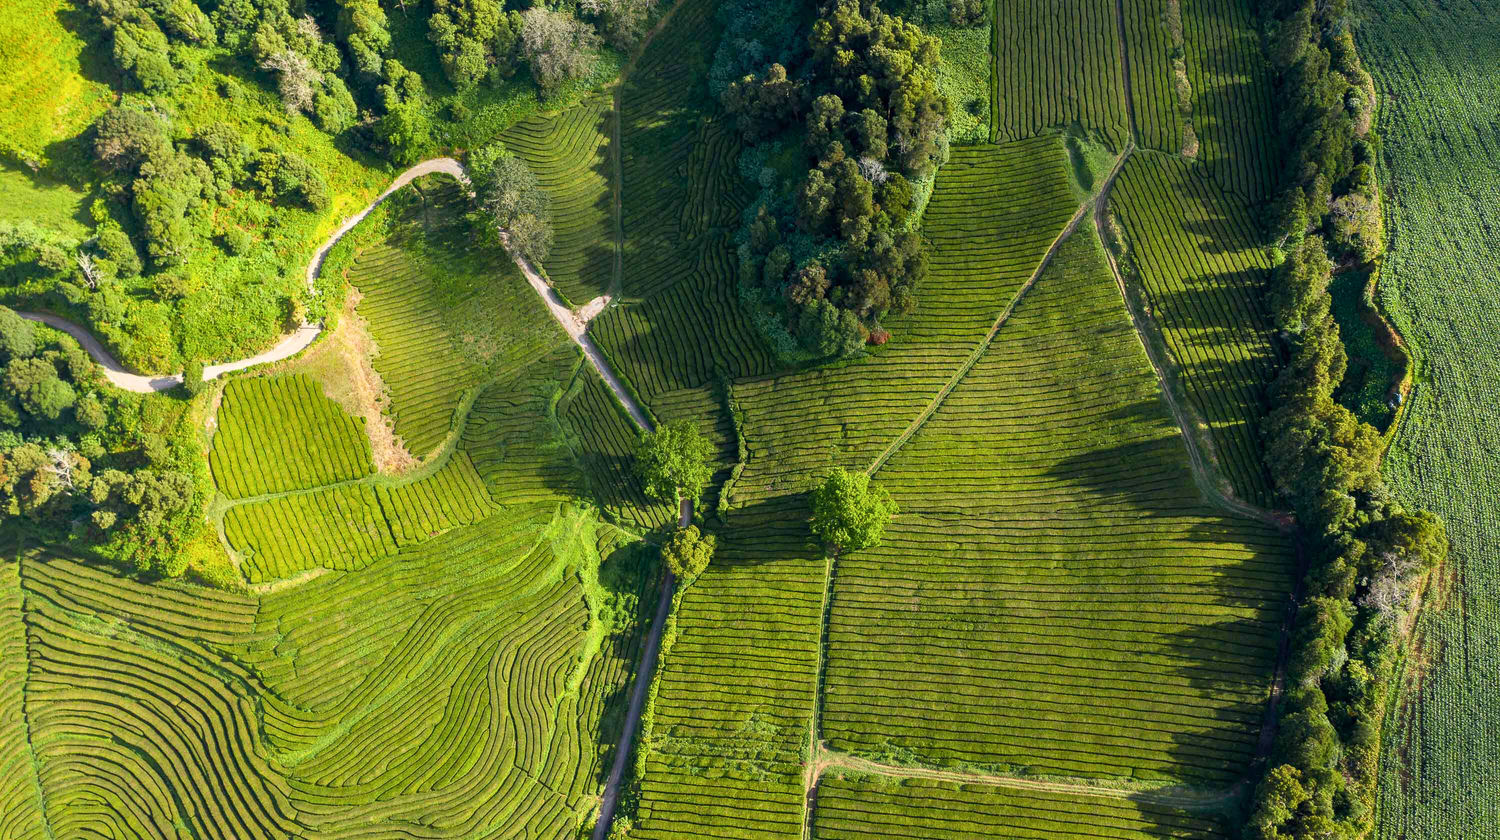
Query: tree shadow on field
[771,531]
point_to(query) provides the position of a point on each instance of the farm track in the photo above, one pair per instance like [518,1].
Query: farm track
[1203,471]
[973,358]
[1186,799]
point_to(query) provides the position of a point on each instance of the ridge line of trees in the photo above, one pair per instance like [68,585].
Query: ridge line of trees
[1367,554]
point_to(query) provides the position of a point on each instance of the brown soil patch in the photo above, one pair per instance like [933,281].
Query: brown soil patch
[342,364]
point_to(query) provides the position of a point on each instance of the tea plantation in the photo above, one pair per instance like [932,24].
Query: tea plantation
[1010,492]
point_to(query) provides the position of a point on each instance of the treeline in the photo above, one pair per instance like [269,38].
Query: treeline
[332,60]
[1366,553]
[845,129]
[91,466]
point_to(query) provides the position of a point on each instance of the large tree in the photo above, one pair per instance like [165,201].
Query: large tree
[688,552]
[849,512]
[673,462]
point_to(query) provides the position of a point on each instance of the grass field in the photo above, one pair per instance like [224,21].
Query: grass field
[1055,597]
[431,297]
[856,807]
[49,95]
[1194,251]
[1435,73]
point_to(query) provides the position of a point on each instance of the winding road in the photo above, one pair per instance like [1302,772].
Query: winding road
[575,324]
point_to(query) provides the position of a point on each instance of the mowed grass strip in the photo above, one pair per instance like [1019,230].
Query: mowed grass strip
[1055,596]
[281,433]
[851,808]
[1195,251]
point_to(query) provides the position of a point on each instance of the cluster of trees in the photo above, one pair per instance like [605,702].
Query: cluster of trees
[672,463]
[1329,146]
[1367,553]
[848,134]
[508,197]
[85,464]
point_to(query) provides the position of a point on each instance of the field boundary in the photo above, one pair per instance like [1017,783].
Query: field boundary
[973,359]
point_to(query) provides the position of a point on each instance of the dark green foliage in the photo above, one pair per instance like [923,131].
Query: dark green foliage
[1368,553]
[125,138]
[833,233]
[362,28]
[509,197]
[475,39]
[85,463]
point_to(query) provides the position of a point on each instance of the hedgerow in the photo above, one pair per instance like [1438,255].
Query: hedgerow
[1368,553]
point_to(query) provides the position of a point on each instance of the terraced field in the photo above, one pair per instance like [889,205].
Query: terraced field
[569,153]
[281,433]
[482,666]
[1152,33]
[1435,74]
[1195,259]
[1058,63]
[918,809]
[20,798]
[430,295]
[680,325]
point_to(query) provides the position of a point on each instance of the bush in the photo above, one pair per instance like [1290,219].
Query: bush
[192,378]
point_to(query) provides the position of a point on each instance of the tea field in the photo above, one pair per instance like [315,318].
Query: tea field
[1435,74]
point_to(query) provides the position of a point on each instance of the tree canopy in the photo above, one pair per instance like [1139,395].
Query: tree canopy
[849,512]
[673,462]
[687,553]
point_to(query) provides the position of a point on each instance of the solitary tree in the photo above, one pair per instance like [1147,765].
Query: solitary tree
[848,513]
[687,553]
[673,462]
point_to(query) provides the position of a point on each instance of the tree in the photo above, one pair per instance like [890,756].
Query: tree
[688,552]
[848,512]
[621,22]
[192,378]
[17,336]
[673,462]
[559,47]
[475,38]
[530,236]
[125,138]
[504,186]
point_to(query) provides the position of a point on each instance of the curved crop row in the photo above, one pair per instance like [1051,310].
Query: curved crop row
[679,324]
[1201,273]
[922,809]
[1055,596]
[444,311]
[569,153]
[20,798]
[281,433]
